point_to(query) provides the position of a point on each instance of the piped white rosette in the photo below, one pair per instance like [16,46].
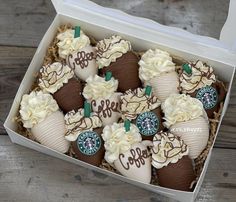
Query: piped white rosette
[101,93]
[158,70]
[54,76]
[77,122]
[40,113]
[126,152]
[186,118]
[70,41]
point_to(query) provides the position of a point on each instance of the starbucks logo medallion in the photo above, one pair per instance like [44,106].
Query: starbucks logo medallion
[147,123]
[89,142]
[208,96]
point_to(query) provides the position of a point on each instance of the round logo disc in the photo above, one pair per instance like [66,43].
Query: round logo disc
[89,142]
[147,123]
[208,96]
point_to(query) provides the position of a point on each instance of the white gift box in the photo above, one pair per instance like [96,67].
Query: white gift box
[143,33]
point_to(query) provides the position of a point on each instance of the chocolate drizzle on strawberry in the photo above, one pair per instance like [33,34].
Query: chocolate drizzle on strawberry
[85,123]
[103,47]
[170,147]
[202,74]
[142,97]
[50,78]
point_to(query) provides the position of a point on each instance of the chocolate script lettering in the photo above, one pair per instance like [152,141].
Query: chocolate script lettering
[82,59]
[137,158]
[106,107]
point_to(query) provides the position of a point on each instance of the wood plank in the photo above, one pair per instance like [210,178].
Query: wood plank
[15,60]
[23,23]
[26,175]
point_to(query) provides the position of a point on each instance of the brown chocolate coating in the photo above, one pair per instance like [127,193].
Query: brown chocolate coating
[125,70]
[178,175]
[221,96]
[158,112]
[95,159]
[69,97]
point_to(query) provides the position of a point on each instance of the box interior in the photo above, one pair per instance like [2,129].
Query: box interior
[223,70]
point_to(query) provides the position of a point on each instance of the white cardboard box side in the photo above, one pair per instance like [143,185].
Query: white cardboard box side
[145,28]
[99,32]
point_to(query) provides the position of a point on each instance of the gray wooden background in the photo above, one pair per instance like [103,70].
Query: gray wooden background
[26,175]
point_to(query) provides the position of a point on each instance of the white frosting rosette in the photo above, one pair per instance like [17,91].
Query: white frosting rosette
[158,70]
[155,63]
[167,148]
[180,108]
[68,44]
[97,87]
[108,50]
[202,75]
[118,141]
[54,76]
[186,118]
[136,102]
[35,107]
[77,123]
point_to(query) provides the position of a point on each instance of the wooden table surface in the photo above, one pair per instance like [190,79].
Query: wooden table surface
[27,175]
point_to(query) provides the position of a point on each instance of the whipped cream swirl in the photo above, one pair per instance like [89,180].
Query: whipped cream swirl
[97,87]
[155,63]
[35,107]
[180,108]
[118,141]
[68,44]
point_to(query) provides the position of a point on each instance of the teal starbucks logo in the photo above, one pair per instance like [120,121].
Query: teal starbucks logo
[147,123]
[89,142]
[208,96]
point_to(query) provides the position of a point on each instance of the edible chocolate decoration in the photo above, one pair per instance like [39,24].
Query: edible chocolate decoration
[187,69]
[125,70]
[137,158]
[150,100]
[148,122]
[148,90]
[127,125]
[148,135]
[77,32]
[108,76]
[89,147]
[178,175]
[211,97]
[69,96]
[82,59]
[106,107]
[49,78]
[87,109]
[82,124]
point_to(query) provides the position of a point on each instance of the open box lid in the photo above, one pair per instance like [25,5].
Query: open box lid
[220,50]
